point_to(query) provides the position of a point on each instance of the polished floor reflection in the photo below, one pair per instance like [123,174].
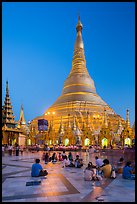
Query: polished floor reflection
[61,184]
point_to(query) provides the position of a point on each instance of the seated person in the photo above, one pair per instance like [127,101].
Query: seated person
[71,164]
[93,167]
[67,162]
[37,170]
[89,173]
[70,157]
[78,162]
[54,158]
[120,165]
[46,158]
[106,169]
[64,155]
[99,162]
[43,156]
[60,157]
[128,171]
[64,160]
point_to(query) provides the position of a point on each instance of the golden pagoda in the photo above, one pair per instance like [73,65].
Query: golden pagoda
[127,135]
[79,99]
[10,133]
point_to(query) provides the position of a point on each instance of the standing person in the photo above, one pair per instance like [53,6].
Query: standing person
[21,149]
[3,150]
[17,150]
[128,171]
[37,148]
[37,170]
[10,149]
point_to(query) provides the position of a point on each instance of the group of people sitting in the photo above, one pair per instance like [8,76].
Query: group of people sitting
[101,169]
[96,172]
[67,161]
[105,169]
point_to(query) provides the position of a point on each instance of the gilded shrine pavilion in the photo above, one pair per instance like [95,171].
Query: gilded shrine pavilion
[13,131]
[80,116]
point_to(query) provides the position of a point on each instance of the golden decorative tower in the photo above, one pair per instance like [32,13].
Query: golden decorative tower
[8,118]
[21,124]
[127,119]
[105,137]
[79,97]
[10,133]
[127,135]
[22,120]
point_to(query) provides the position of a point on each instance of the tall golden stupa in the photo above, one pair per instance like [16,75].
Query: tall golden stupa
[79,115]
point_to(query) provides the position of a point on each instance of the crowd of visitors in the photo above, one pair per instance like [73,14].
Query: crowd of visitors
[101,168]
[12,149]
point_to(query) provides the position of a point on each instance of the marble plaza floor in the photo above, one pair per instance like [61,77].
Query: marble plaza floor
[61,184]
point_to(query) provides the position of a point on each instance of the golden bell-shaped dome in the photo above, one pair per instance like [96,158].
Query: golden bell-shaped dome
[79,93]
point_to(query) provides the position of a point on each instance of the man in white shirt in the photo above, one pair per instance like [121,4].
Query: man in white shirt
[99,162]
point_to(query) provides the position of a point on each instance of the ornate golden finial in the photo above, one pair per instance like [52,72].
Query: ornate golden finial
[79,25]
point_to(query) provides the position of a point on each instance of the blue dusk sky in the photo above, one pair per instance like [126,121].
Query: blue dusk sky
[37,49]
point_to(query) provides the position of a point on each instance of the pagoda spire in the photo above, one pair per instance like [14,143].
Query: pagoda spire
[119,127]
[22,119]
[7,89]
[79,41]
[7,112]
[105,123]
[79,61]
[127,119]
[61,128]
[79,79]
[74,127]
